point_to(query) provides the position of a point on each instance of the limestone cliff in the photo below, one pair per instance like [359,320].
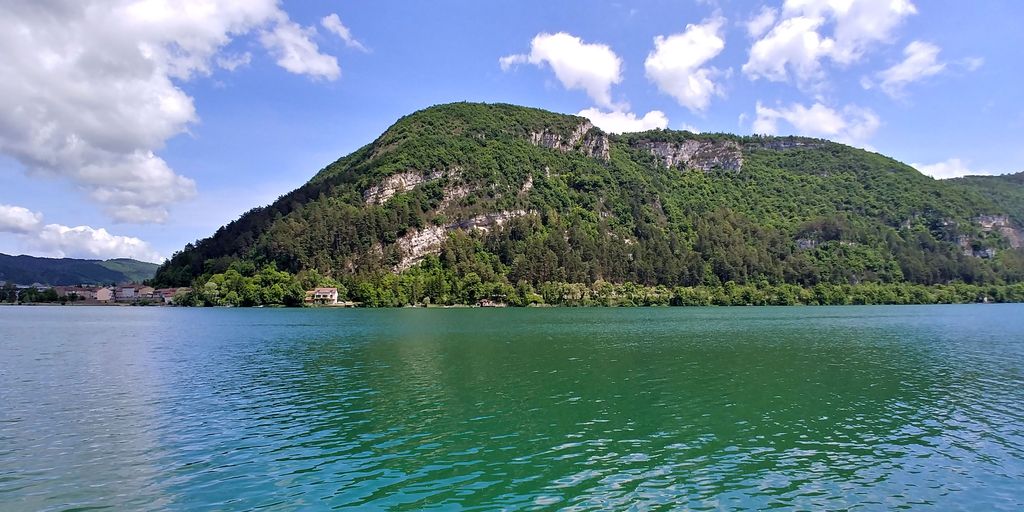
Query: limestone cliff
[704,155]
[585,138]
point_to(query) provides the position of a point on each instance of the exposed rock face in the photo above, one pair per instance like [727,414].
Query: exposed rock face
[486,221]
[990,222]
[779,144]
[1014,236]
[697,154]
[419,244]
[591,143]
[806,244]
[527,186]
[402,182]
[453,194]
[1001,224]
[595,146]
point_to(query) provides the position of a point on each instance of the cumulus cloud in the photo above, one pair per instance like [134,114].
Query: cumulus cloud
[951,168]
[792,46]
[15,219]
[852,125]
[676,64]
[89,89]
[293,47]
[622,122]
[762,21]
[334,25]
[799,41]
[920,61]
[71,242]
[591,67]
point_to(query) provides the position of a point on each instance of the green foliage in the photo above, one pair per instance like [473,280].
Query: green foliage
[1006,191]
[10,294]
[242,285]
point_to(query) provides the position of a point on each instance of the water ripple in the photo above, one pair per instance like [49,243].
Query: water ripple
[702,409]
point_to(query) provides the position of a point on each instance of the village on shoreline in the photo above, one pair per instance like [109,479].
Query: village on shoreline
[123,294]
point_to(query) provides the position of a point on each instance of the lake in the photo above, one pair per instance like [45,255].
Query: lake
[870,408]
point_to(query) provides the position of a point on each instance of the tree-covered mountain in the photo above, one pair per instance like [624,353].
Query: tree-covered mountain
[70,271]
[466,200]
[1006,191]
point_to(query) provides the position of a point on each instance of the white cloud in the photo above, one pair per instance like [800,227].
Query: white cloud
[797,43]
[851,125]
[15,219]
[89,89]
[921,60]
[762,21]
[621,122]
[793,45]
[293,47]
[233,62]
[334,25]
[87,242]
[675,64]
[71,242]
[951,168]
[590,67]
[862,23]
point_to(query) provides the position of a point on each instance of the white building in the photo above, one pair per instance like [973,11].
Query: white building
[325,296]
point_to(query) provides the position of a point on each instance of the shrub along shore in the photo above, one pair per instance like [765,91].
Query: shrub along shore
[243,286]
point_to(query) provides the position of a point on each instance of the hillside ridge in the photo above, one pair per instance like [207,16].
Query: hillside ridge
[24,269]
[517,195]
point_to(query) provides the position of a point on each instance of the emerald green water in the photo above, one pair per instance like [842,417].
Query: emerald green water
[871,408]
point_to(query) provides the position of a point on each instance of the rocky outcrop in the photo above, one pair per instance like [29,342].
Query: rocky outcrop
[417,245]
[1014,236]
[527,186]
[696,154]
[402,182]
[780,144]
[968,248]
[488,220]
[595,146]
[454,194]
[806,244]
[394,184]
[421,243]
[584,139]
[1002,225]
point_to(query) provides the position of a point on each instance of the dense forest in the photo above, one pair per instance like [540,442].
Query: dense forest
[463,202]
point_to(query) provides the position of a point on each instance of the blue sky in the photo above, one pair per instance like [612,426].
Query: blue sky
[131,127]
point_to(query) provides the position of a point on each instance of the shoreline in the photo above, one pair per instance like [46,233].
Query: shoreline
[531,306]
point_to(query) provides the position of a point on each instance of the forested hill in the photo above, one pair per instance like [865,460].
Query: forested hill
[70,271]
[505,198]
[1006,191]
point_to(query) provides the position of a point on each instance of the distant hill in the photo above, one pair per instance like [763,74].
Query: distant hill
[468,200]
[69,271]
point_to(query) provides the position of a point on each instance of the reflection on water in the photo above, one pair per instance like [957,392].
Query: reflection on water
[731,408]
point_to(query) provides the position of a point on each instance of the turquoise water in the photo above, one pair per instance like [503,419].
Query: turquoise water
[870,408]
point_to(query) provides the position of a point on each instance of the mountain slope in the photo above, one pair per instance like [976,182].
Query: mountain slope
[513,196]
[70,271]
[1006,191]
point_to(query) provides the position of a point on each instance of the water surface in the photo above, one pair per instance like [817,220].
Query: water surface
[871,408]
